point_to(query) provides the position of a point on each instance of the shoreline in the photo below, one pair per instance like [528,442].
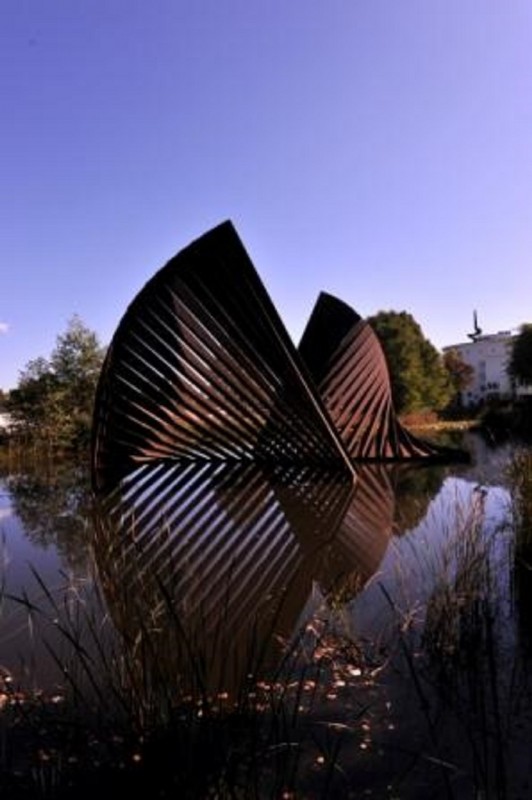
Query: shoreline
[445,425]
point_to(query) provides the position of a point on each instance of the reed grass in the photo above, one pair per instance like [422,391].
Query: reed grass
[119,719]
[470,689]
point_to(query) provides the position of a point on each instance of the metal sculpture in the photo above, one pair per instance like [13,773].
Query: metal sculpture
[222,459]
[201,367]
[347,363]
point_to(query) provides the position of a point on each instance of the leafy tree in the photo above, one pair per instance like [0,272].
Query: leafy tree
[460,372]
[418,378]
[520,364]
[52,403]
[75,363]
[32,404]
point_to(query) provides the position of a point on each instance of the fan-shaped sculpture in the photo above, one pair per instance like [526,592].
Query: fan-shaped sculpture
[225,475]
[347,363]
[201,367]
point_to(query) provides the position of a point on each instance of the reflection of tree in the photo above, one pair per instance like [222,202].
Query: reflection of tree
[53,503]
[415,487]
[491,459]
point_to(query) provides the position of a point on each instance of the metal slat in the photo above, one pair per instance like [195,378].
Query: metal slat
[345,358]
[201,367]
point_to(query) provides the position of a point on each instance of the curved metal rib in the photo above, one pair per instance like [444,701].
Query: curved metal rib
[347,363]
[201,367]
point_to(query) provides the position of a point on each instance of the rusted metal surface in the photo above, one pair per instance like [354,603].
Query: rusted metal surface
[347,363]
[202,368]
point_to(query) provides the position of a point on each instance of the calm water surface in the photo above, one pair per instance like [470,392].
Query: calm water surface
[234,542]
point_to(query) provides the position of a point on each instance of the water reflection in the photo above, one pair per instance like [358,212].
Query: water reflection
[415,486]
[208,567]
[490,460]
[53,504]
[235,554]
[45,530]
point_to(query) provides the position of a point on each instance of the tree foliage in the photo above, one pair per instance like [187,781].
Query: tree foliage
[460,372]
[418,377]
[52,403]
[520,364]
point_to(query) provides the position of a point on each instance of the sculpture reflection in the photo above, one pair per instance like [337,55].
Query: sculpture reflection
[207,567]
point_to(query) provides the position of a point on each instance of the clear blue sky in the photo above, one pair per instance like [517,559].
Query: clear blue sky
[377,149]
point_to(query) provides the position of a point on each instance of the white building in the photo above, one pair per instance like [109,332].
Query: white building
[489,355]
[5,421]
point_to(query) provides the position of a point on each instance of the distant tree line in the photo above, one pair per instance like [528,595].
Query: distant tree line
[53,401]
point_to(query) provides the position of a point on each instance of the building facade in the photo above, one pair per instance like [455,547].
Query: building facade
[488,355]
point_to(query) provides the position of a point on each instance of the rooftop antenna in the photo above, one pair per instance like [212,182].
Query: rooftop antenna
[477,331]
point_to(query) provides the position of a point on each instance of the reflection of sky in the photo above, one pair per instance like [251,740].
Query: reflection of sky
[18,555]
[5,502]
[416,561]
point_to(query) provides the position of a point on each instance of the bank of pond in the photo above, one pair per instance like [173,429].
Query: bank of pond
[229,631]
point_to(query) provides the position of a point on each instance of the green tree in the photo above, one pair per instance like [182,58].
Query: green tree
[52,403]
[520,364]
[75,363]
[418,377]
[32,404]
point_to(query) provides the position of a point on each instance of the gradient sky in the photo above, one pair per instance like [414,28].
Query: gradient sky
[377,149]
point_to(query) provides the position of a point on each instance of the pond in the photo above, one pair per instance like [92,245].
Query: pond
[380,596]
